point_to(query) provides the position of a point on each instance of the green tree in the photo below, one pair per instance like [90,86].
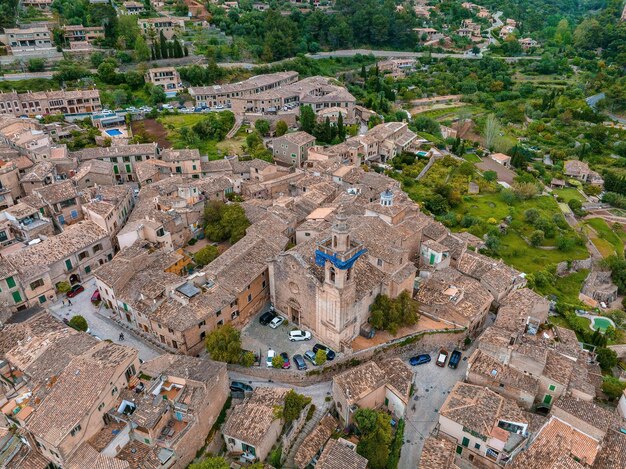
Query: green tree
[320,357]
[224,344]
[490,176]
[576,206]
[79,323]
[294,404]
[607,358]
[391,315]
[222,222]
[63,287]
[142,51]
[492,131]
[277,361]
[376,436]
[531,215]
[613,387]
[214,462]
[536,238]
[281,128]
[36,65]
[262,126]
[206,255]
[157,94]
[307,119]
[341,130]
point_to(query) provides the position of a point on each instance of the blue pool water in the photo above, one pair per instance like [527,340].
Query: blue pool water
[113,132]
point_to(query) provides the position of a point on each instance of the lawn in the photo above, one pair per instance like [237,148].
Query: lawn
[234,146]
[569,193]
[514,249]
[173,123]
[606,235]
[567,288]
[472,158]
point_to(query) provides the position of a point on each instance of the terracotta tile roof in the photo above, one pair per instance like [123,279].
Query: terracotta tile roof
[360,381]
[435,231]
[75,238]
[596,416]
[398,374]
[39,172]
[438,453]
[179,155]
[315,441]
[517,307]
[58,192]
[479,408]
[182,366]
[557,440]
[116,151]
[298,138]
[453,297]
[249,421]
[77,390]
[558,368]
[612,452]
[488,367]
[339,456]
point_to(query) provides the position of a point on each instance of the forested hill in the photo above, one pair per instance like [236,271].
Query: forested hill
[536,15]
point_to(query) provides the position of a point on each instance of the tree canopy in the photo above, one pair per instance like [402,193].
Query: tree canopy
[391,315]
[225,221]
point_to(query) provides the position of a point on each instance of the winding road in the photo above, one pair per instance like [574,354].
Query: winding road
[592,102]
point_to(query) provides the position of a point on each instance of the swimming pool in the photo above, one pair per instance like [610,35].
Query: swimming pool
[113,132]
[601,324]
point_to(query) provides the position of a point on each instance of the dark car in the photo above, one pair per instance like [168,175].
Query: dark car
[455,358]
[299,361]
[442,357]
[267,317]
[330,355]
[286,362]
[420,359]
[238,386]
[75,290]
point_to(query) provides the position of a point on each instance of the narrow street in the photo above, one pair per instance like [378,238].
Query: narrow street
[99,322]
[432,386]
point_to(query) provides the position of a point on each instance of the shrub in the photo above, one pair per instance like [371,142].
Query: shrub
[192,241]
[607,358]
[79,323]
[320,357]
[63,287]
[277,361]
[206,255]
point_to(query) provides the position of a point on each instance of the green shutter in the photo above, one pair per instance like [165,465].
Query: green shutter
[459,449]
[17,297]
[42,299]
[116,169]
[128,170]
[547,399]
[68,264]
[87,269]
[11,282]
[465,441]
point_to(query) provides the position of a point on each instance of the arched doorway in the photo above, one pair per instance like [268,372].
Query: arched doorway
[294,311]
[74,278]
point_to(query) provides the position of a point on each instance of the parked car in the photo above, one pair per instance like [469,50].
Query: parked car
[75,290]
[238,386]
[286,362]
[267,317]
[299,361]
[455,358]
[330,354]
[95,297]
[277,321]
[270,356]
[298,335]
[441,358]
[310,356]
[420,359]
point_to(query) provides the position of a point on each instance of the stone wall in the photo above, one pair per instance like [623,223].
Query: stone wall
[288,438]
[562,268]
[427,341]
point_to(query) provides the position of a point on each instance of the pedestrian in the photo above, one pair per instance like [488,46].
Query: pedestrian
[69,302]
[121,336]
[63,301]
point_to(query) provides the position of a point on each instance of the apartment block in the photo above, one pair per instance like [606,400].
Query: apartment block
[167,78]
[50,102]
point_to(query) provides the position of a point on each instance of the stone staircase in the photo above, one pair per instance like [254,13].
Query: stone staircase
[306,430]
[236,127]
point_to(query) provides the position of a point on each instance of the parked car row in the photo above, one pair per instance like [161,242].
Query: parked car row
[442,358]
[299,360]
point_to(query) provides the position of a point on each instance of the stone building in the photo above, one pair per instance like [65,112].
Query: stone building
[328,283]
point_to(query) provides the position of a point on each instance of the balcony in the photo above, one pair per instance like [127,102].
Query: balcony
[172,432]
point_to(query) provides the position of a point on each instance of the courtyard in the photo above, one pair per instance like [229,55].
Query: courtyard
[259,339]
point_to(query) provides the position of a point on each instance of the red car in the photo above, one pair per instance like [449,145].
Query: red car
[286,363]
[95,297]
[75,290]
